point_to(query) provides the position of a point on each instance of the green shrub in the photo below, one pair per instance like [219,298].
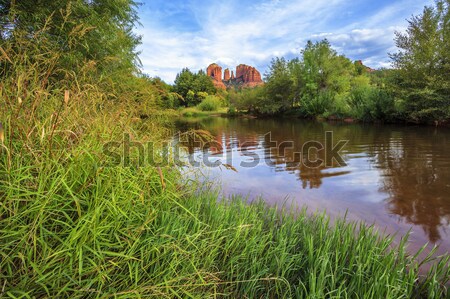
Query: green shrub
[371,104]
[201,95]
[318,105]
[247,98]
[188,114]
[232,111]
[211,103]
[339,107]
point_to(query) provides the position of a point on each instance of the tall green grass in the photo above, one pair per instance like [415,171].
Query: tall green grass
[74,229]
[71,226]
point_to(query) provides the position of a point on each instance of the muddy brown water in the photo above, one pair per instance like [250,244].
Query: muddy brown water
[396,177]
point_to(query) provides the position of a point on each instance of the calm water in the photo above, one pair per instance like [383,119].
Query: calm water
[396,177]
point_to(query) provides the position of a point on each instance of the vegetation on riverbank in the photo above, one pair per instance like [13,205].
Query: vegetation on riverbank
[71,225]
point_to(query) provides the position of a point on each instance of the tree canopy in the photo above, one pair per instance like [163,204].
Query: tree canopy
[77,33]
[422,79]
[193,86]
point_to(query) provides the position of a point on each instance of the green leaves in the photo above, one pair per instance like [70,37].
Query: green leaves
[279,91]
[423,64]
[79,33]
[192,87]
[310,82]
[324,69]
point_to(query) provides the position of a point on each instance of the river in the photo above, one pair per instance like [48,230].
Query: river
[396,177]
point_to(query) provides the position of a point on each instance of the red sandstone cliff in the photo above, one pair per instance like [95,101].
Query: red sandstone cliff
[215,72]
[368,69]
[246,76]
[226,75]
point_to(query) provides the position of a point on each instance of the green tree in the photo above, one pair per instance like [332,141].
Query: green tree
[192,87]
[325,78]
[245,98]
[96,32]
[422,78]
[295,69]
[324,69]
[184,82]
[278,88]
[203,83]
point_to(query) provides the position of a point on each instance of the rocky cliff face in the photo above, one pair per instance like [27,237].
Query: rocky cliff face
[226,75]
[215,72]
[368,69]
[246,76]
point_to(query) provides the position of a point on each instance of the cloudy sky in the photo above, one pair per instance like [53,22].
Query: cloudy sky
[195,33]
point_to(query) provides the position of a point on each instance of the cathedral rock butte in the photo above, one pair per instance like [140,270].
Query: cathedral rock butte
[245,76]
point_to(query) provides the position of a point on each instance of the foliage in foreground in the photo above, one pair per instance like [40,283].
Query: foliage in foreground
[71,228]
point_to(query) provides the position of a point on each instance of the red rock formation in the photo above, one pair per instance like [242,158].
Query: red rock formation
[226,75]
[368,69]
[215,72]
[246,76]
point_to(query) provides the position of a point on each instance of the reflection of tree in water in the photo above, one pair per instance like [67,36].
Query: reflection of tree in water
[416,175]
[290,158]
[293,162]
[413,161]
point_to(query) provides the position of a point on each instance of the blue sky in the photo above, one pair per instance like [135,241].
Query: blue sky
[195,33]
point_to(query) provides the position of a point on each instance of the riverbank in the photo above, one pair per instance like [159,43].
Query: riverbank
[331,118]
[74,226]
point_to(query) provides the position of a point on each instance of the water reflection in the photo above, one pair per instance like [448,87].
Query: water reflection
[395,176]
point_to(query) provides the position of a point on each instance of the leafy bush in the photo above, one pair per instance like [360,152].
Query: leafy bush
[247,98]
[211,103]
[318,105]
[201,95]
[232,111]
[371,104]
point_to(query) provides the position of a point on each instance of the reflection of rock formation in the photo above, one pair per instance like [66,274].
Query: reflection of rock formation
[246,76]
[280,158]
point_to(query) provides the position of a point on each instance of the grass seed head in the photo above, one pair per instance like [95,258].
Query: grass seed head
[2,134]
[66,97]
